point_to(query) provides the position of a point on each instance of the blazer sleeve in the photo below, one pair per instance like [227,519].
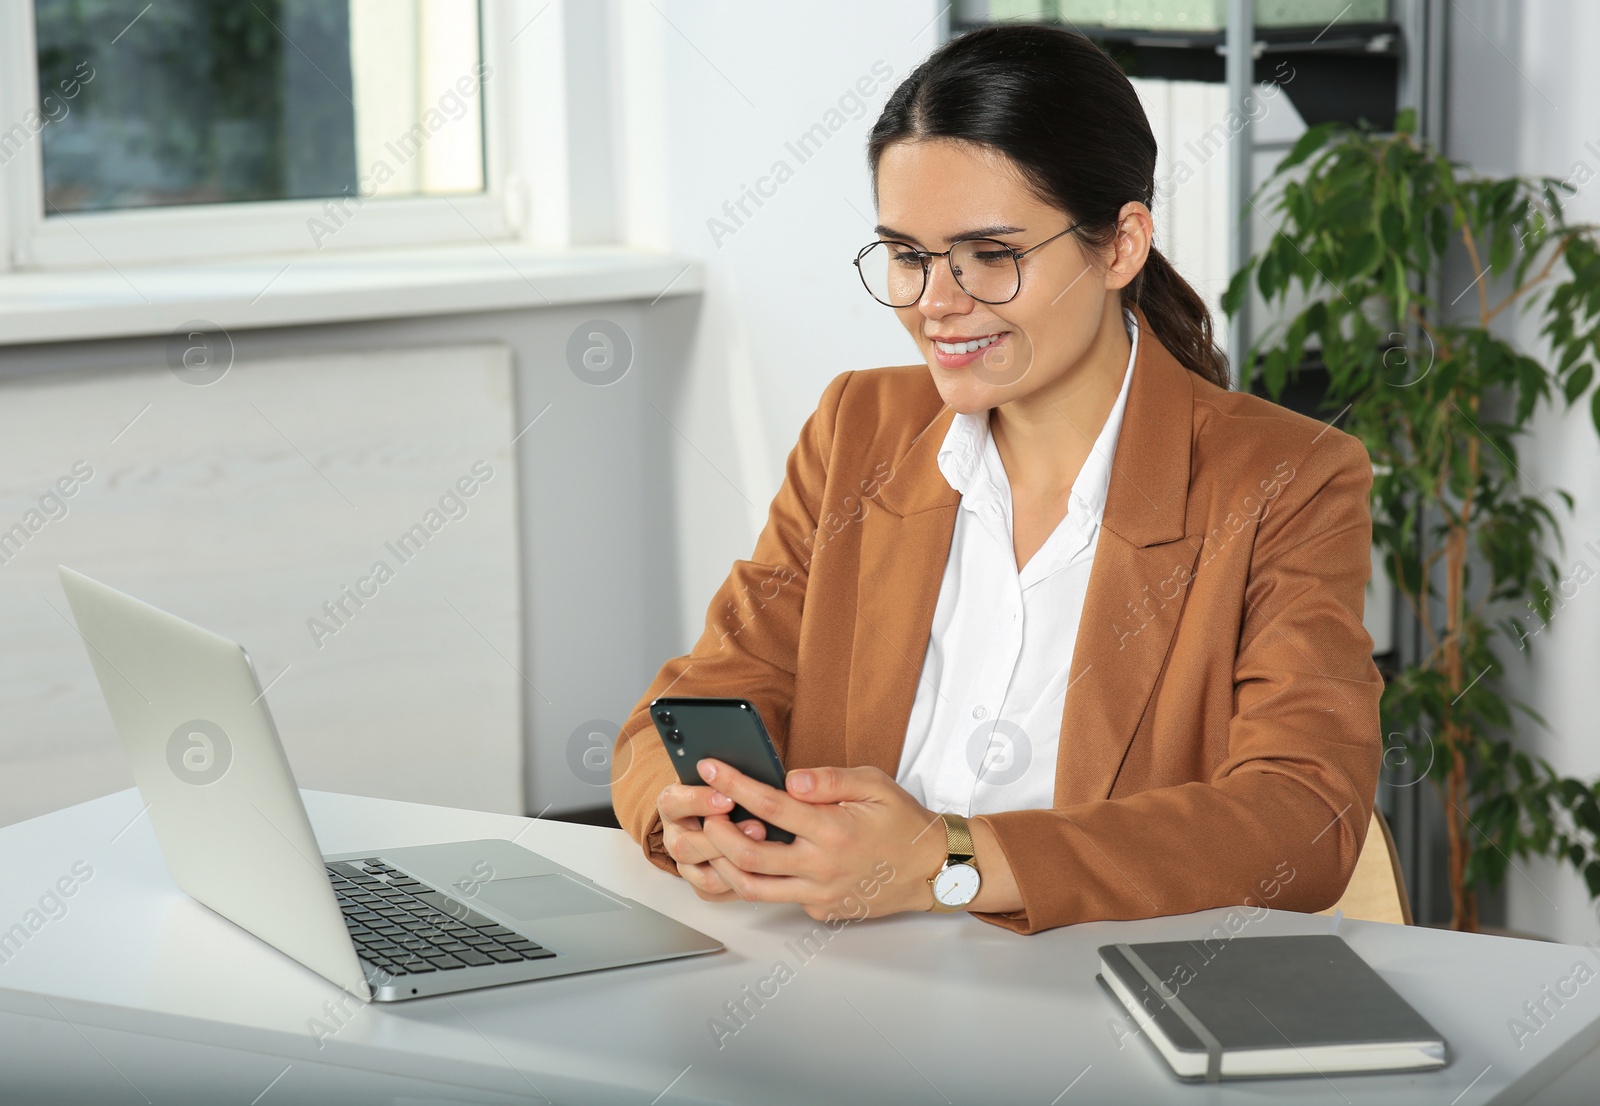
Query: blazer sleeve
[751,638]
[1283,816]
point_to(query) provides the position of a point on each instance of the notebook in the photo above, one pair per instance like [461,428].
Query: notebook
[1267,1006]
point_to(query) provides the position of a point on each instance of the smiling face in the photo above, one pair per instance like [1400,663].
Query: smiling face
[934,191]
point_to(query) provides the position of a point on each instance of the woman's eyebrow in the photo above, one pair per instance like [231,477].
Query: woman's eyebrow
[975,232]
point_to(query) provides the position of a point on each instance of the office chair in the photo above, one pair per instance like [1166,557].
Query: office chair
[1377,889]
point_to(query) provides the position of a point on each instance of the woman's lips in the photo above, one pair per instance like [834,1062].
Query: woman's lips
[962,360]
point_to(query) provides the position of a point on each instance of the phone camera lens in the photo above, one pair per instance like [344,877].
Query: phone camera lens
[666,717]
[674,735]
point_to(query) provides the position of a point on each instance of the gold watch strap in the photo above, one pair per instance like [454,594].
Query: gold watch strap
[958,850]
[957,840]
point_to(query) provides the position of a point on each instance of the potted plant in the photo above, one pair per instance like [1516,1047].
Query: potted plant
[1440,401]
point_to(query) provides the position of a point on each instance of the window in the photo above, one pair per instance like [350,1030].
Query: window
[197,128]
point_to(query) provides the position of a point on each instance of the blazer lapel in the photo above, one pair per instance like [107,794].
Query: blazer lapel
[1125,629]
[903,555]
[1137,585]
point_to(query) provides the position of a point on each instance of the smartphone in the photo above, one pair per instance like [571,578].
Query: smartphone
[729,730]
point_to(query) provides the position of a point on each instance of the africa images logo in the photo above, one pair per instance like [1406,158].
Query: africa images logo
[199,752]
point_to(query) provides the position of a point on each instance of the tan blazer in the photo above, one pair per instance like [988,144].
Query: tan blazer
[1220,741]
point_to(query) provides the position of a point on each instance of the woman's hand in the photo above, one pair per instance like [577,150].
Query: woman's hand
[862,844]
[684,810]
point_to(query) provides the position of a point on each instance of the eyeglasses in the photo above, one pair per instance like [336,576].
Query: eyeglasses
[988,270]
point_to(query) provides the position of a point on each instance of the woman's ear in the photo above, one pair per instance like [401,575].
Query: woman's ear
[1135,232]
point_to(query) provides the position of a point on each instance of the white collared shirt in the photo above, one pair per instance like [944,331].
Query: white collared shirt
[985,725]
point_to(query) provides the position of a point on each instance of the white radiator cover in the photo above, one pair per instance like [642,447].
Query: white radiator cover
[246,505]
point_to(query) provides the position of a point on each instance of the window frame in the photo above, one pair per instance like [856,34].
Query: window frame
[31,240]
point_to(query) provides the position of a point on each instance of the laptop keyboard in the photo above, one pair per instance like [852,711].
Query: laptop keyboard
[405,927]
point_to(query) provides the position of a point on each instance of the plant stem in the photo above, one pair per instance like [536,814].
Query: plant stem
[1463,903]
[1516,293]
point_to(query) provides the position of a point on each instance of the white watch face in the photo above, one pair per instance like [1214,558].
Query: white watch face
[956,885]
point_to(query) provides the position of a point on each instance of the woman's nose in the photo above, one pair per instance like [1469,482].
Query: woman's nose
[941,290]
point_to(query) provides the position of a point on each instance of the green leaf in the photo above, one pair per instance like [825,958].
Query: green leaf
[1391,224]
[1594,408]
[1531,387]
[1275,370]
[1524,769]
[1569,356]
[1397,288]
[1579,381]
[1310,141]
[1493,708]
[1500,195]
[1587,814]
[1500,248]
[1439,230]
[1267,272]
[1363,256]
[1237,287]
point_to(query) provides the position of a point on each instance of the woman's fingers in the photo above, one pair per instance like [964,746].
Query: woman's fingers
[767,803]
[706,882]
[687,843]
[684,811]
[839,785]
[753,828]
[679,801]
[757,856]
[853,828]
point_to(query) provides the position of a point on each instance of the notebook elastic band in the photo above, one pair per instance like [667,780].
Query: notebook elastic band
[1213,1046]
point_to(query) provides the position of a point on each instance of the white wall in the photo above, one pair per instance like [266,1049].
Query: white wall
[1524,97]
[711,93]
[247,506]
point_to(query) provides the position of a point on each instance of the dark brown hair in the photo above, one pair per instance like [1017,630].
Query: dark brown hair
[1064,112]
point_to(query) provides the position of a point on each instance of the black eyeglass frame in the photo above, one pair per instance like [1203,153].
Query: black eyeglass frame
[926,258]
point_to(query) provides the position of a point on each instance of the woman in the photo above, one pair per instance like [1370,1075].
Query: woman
[972,719]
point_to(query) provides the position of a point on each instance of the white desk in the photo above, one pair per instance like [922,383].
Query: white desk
[138,994]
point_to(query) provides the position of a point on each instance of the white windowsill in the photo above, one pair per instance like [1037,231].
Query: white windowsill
[327,287]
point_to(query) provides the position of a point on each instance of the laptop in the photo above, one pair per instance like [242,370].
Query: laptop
[384,924]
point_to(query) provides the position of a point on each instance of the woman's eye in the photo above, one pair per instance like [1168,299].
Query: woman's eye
[907,259]
[991,257]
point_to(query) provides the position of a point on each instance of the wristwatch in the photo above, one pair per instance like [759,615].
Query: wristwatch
[956,882]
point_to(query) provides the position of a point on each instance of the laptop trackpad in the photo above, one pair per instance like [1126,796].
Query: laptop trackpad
[530,898]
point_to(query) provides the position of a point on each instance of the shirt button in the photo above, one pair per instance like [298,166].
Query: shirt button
[980,712]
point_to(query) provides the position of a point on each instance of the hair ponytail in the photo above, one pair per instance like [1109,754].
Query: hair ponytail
[1178,316]
[1066,114]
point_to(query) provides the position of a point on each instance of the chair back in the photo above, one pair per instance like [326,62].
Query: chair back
[1377,891]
